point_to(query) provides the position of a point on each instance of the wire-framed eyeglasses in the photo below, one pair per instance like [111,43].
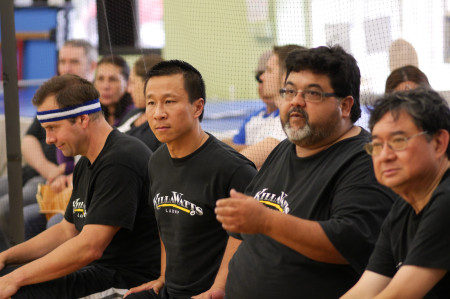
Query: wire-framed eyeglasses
[396,144]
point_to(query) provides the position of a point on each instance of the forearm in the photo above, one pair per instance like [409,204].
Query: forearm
[36,247]
[238,147]
[70,256]
[65,259]
[304,236]
[257,153]
[222,274]
[163,262]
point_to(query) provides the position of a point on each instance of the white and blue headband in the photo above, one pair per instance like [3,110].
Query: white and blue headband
[69,112]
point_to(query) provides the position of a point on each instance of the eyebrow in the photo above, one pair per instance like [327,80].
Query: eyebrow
[164,96]
[309,86]
[391,134]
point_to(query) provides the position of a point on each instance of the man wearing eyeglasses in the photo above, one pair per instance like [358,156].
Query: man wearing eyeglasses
[318,207]
[409,148]
[261,131]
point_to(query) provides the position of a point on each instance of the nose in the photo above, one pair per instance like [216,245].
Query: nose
[298,100]
[50,138]
[386,153]
[262,77]
[159,112]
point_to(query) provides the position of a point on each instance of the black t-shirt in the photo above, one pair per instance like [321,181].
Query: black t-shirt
[337,188]
[49,150]
[184,193]
[114,191]
[421,240]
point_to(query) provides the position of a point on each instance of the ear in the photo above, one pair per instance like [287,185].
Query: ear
[346,105]
[440,139]
[83,120]
[198,106]
[93,66]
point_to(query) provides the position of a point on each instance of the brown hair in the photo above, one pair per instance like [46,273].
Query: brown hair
[282,52]
[403,74]
[145,63]
[69,90]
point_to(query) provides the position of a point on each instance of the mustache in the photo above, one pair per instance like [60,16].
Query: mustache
[298,110]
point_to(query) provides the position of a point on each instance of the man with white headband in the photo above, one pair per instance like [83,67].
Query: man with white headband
[108,241]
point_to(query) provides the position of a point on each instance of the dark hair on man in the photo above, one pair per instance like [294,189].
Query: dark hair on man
[282,53]
[403,74]
[144,63]
[89,50]
[338,65]
[69,90]
[117,61]
[428,110]
[193,80]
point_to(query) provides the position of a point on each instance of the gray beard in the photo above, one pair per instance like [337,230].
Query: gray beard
[308,135]
[296,135]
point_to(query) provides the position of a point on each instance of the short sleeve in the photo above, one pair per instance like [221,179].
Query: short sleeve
[431,245]
[358,209]
[239,138]
[242,177]
[36,129]
[382,260]
[116,197]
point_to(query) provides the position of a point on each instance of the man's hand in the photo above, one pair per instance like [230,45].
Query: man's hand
[211,294]
[7,287]
[242,214]
[53,171]
[156,285]
[60,183]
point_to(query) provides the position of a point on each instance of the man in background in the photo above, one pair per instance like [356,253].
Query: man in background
[262,132]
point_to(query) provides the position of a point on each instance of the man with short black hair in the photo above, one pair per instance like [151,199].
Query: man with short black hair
[410,152]
[188,174]
[318,207]
[108,240]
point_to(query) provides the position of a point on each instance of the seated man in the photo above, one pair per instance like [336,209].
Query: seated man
[318,207]
[188,174]
[410,151]
[108,240]
[263,122]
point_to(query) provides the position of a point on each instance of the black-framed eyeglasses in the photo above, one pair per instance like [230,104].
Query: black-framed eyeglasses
[258,76]
[308,95]
[396,144]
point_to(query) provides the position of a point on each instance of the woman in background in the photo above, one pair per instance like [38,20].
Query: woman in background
[405,78]
[135,122]
[111,80]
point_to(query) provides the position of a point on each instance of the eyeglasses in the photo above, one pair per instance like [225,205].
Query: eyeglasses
[312,96]
[396,144]
[258,76]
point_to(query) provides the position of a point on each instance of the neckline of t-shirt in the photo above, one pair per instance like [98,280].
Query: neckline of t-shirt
[91,165]
[194,153]
[325,151]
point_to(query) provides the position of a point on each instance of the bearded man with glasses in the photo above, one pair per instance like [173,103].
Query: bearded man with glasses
[409,148]
[318,207]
